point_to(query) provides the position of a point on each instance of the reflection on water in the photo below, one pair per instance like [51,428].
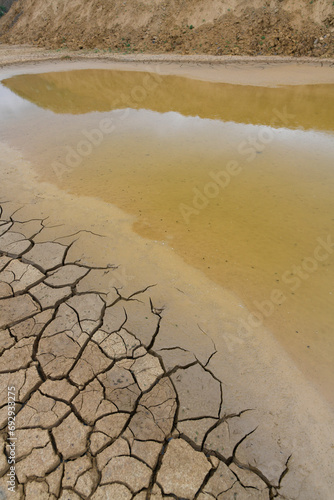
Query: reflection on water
[238,180]
[84,91]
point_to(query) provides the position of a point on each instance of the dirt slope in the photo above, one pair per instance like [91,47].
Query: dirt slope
[289,27]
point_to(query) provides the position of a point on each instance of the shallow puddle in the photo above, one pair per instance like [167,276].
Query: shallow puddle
[238,180]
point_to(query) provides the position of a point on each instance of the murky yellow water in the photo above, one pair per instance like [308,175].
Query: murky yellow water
[238,180]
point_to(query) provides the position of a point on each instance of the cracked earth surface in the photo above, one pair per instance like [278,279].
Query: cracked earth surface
[100,412]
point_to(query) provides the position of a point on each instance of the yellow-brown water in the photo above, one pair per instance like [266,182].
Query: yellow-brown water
[238,180]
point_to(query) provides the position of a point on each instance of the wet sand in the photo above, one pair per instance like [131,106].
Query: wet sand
[256,371]
[259,71]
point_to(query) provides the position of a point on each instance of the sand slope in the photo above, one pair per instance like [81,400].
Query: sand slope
[300,27]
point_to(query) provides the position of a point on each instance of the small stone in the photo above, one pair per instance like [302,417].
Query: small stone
[71,437]
[183,469]
[46,256]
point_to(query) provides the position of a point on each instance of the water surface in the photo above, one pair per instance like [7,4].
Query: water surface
[238,180]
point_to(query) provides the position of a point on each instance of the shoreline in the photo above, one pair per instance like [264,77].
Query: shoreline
[258,71]
[34,53]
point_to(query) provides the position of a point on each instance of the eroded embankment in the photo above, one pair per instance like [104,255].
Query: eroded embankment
[278,27]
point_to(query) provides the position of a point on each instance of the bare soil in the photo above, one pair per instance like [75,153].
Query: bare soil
[237,27]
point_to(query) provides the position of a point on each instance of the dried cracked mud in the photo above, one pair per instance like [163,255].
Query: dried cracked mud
[100,413]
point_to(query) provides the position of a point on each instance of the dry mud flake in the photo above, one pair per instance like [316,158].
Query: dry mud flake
[16,309]
[46,256]
[183,469]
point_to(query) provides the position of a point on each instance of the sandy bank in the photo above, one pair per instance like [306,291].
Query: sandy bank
[261,70]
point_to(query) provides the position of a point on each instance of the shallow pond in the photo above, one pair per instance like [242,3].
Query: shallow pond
[238,180]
